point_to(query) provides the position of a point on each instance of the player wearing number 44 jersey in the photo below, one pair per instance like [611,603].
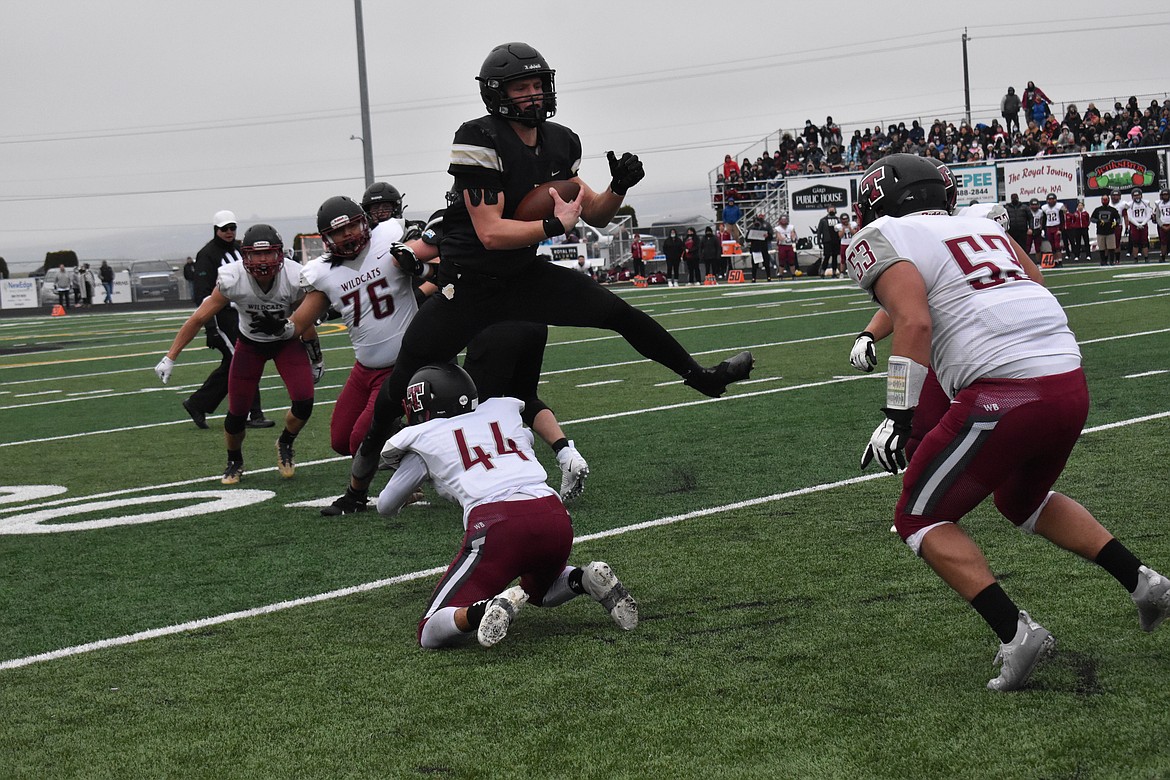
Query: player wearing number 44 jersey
[480,456]
[1004,354]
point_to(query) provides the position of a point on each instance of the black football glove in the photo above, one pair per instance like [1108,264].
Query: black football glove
[888,442]
[269,325]
[626,172]
[214,338]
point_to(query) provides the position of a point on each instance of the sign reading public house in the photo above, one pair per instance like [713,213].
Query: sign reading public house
[819,197]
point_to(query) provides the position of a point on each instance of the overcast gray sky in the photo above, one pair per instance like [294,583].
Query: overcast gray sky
[161,112]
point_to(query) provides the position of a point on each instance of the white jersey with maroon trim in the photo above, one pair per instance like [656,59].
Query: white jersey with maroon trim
[786,236]
[1122,205]
[988,318]
[373,294]
[993,211]
[240,287]
[479,457]
[1162,212]
[1139,213]
[1054,214]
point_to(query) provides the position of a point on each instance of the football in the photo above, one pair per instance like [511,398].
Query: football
[538,204]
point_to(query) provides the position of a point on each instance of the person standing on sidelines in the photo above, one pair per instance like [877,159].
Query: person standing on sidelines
[480,456]
[786,248]
[1162,217]
[1107,221]
[223,331]
[1138,215]
[264,288]
[953,289]
[106,275]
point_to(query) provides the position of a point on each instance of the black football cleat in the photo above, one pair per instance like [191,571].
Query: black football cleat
[198,417]
[713,381]
[260,421]
[347,504]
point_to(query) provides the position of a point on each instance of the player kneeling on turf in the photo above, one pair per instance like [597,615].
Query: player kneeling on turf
[480,456]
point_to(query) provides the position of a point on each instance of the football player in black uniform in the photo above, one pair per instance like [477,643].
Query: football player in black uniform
[489,271]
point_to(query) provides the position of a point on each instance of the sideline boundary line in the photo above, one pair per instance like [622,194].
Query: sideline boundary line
[280,606]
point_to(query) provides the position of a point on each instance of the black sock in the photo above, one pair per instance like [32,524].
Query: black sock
[475,613]
[574,581]
[357,495]
[236,455]
[1000,612]
[1116,559]
[286,437]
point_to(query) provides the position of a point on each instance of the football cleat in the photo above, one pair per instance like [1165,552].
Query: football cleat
[607,590]
[198,417]
[259,421]
[498,616]
[284,459]
[1018,658]
[1152,597]
[347,504]
[574,470]
[714,381]
[233,473]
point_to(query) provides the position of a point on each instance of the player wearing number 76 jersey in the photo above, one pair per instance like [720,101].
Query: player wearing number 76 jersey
[1004,354]
[359,277]
[479,455]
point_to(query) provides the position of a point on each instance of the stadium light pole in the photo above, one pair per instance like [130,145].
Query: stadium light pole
[366,138]
[966,79]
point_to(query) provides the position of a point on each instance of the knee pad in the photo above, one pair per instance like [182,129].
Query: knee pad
[302,410]
[235,423]
[914,538]
[532,407]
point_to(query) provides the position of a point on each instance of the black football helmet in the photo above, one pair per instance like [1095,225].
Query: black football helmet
[949,180]
[439,391]
[382,201]
[333,216]
[508,62]
[900,184]
[263,250]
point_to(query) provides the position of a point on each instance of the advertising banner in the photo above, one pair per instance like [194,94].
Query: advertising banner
[1123,169]
[809,199]
[975,183]
[1035,178]
[18,294]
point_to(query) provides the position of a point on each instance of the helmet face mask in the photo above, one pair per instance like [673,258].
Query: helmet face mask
[263,251]
[439,391]
[512,62]
[343,226]
[381,202]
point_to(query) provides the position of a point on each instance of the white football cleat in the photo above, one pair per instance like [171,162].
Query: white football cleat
[606,589]
[1152,597]
[574,470]
[498,616]
[1019,657]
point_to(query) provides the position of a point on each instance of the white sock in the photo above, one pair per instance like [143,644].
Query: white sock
[440,631]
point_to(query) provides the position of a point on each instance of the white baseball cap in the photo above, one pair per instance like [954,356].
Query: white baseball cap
[224,218]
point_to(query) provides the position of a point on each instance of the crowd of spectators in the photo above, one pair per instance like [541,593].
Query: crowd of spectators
[1029,128]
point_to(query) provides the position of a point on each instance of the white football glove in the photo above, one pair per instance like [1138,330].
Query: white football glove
[888,442]
[574,471]
[318,372]
[164,368]
[864,354]
[313,350]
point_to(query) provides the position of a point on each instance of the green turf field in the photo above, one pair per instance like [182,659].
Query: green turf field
[154,623]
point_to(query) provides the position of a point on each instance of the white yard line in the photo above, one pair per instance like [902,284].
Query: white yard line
[193,625]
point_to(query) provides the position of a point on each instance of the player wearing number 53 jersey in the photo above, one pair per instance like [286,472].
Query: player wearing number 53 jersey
[360,278]
[1003,351]
[480,456]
